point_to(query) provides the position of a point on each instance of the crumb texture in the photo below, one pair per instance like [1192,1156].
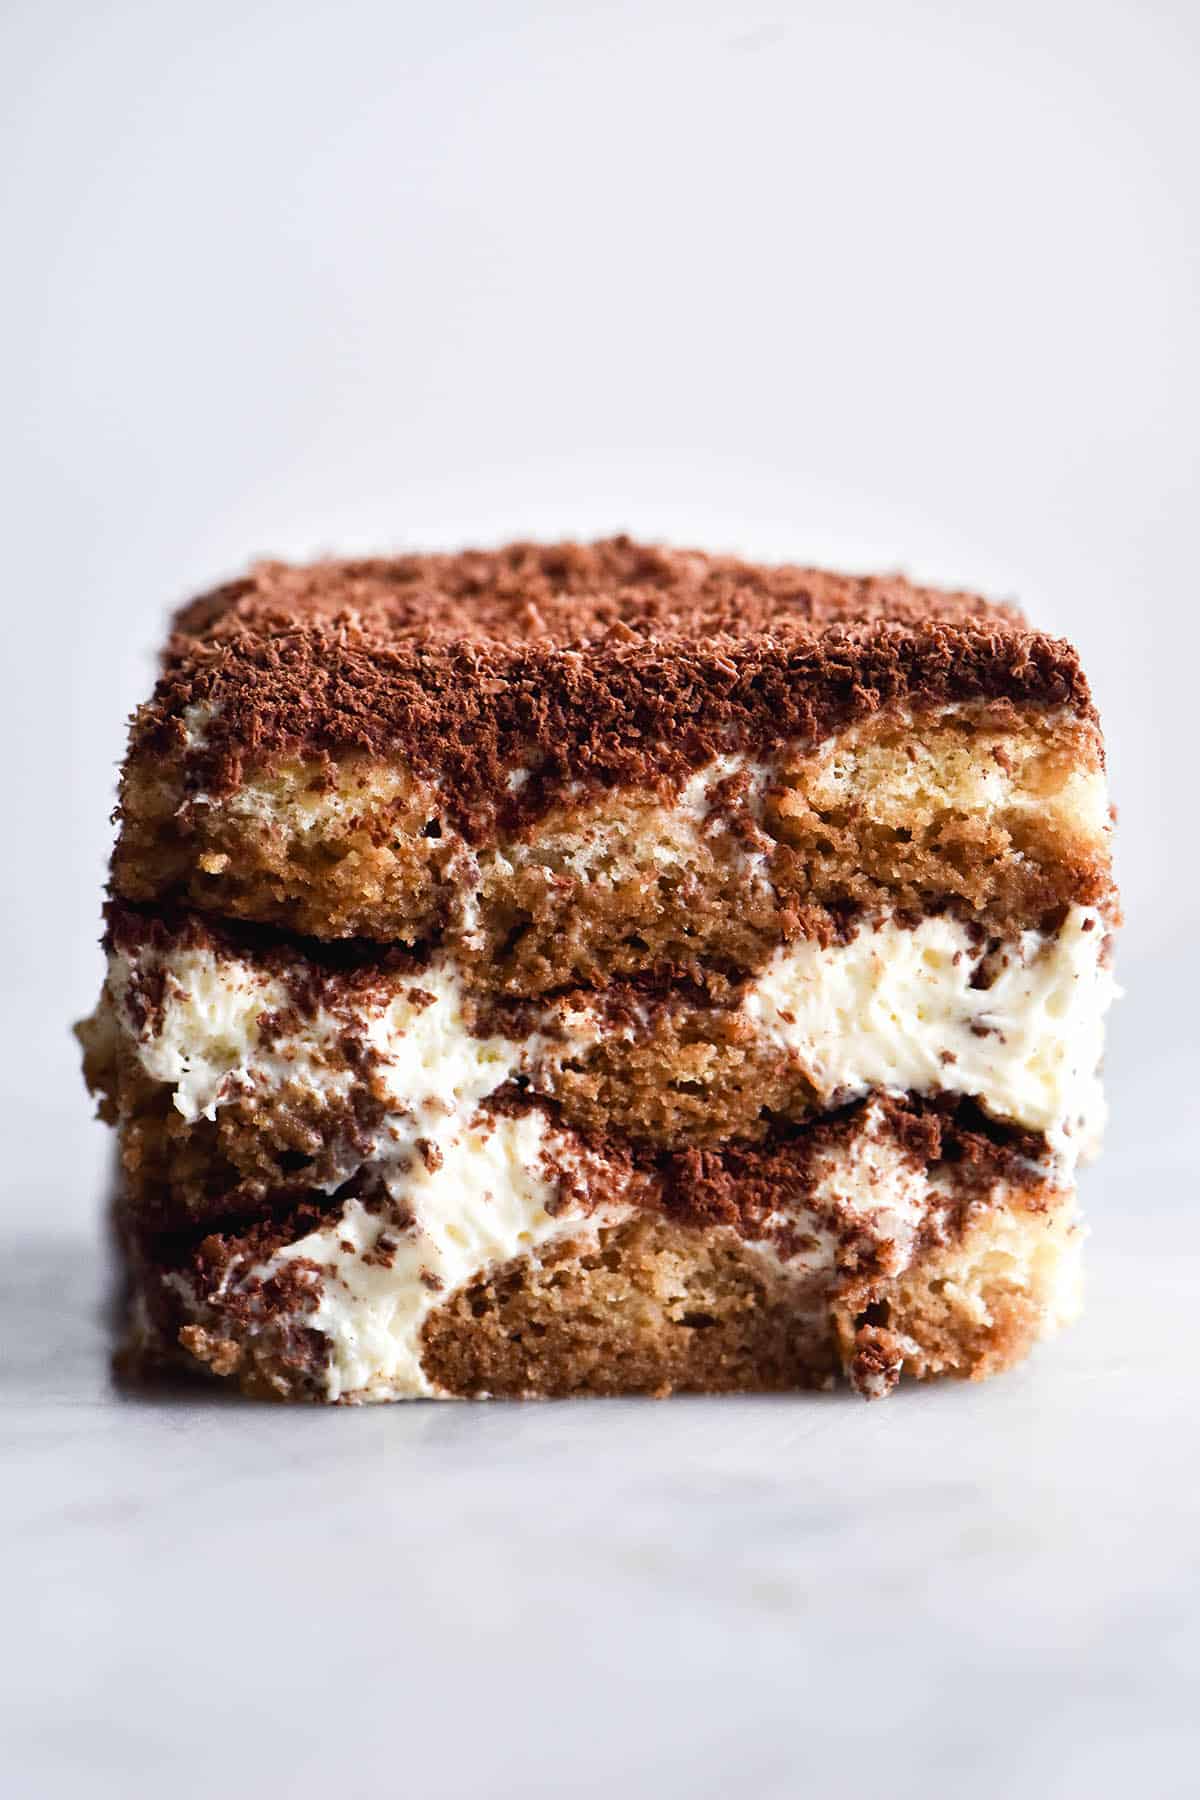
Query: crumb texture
[1000,813]
[973,1308]
[650,1309]
[657,1308]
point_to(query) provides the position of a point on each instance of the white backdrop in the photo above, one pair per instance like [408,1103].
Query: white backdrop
[897,285]
[878,283]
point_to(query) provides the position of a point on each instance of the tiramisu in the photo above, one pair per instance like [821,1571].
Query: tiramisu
[602,970]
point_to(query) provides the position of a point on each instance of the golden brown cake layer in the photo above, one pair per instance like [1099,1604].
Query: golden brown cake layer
[657,1308]
[999,810]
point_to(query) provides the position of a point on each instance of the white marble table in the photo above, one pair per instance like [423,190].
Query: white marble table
[962,1590]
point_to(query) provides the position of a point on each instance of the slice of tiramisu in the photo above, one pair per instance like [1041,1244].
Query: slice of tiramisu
[603,970]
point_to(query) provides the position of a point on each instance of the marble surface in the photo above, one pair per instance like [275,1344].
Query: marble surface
[988,1590]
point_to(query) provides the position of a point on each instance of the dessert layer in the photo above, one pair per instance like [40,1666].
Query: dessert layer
[562,596]
[615,665]
[654,1308]
[528,1261]
[998,808]
[240,1072]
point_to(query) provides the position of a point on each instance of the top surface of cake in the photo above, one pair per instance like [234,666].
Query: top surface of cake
[612,663]
[568,595]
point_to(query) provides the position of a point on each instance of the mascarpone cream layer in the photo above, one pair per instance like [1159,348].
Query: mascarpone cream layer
[901,1008]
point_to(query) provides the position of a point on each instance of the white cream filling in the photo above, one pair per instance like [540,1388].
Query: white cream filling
[866,1178]
[208,1041]
[484,1203]
[211,1045]
[893,1008]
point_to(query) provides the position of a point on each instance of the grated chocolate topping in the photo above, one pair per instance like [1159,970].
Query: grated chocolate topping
[605,665]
